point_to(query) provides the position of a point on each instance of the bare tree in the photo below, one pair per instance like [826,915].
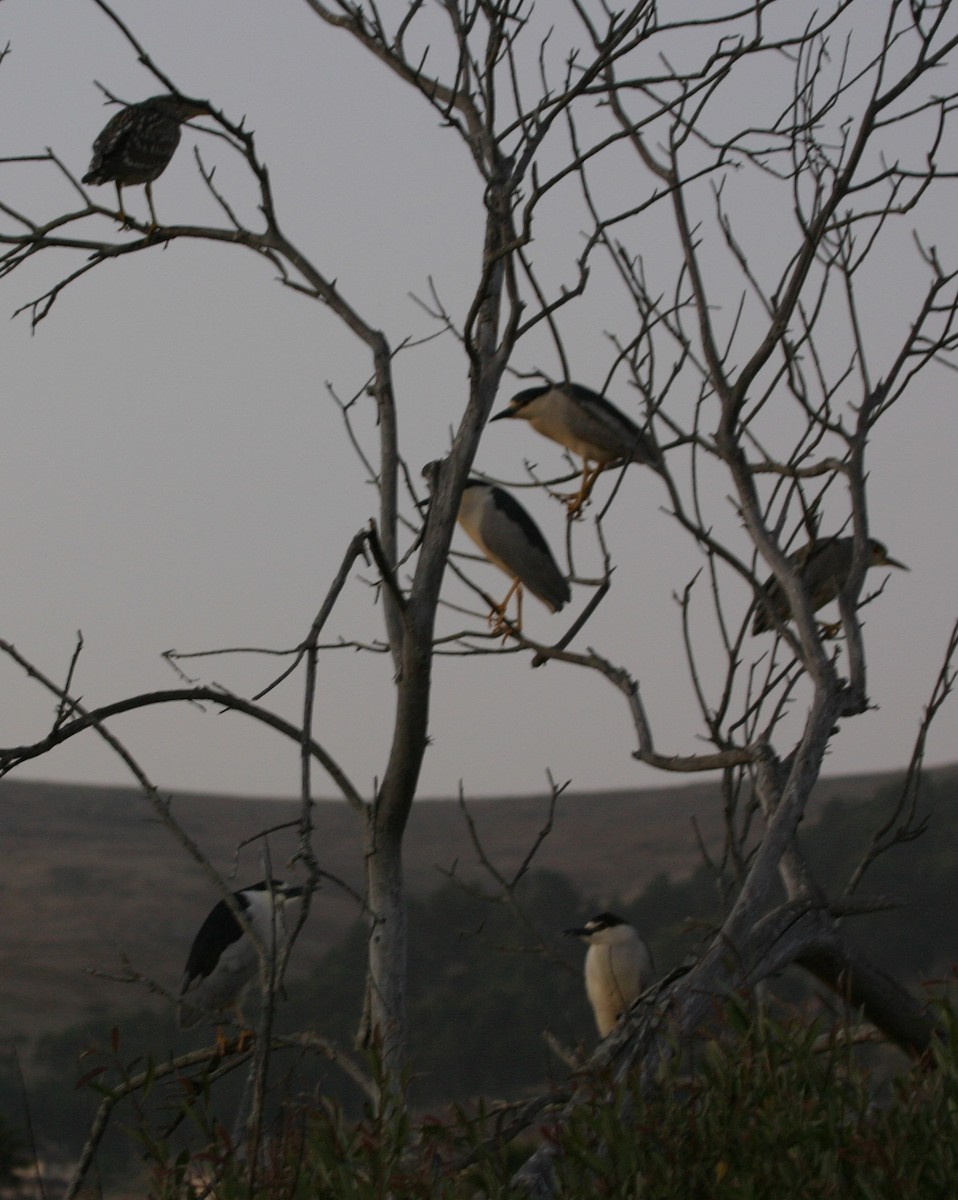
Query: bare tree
[777,160]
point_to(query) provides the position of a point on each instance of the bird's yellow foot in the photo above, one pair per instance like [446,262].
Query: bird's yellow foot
[501,626]
[245,1040]
[226,1044]
[576,501]
[498,618]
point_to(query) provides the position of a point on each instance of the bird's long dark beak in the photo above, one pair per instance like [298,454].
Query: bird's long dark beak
[575,932]
[893,562]
[506,412]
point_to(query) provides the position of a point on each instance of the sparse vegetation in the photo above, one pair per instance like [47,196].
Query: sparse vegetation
[756,1106]
[768,1108]
[482,993]
[614,166]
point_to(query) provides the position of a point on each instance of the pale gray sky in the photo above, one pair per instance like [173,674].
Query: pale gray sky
[174,474]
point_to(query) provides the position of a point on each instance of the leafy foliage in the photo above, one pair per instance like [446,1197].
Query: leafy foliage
[766,1109]
[764,1106]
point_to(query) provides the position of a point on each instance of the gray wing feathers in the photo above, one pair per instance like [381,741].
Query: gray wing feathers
[517,542]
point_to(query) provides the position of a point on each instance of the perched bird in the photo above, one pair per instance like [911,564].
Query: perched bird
[512,541]
[223,960]
[137,143]
[824,566]
[588,425]
[618,967]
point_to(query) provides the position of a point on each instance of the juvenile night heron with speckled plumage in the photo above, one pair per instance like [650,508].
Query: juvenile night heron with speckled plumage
[586,424]
[511,541]
[136,144]
[823,566]
[223,960]
[618,967]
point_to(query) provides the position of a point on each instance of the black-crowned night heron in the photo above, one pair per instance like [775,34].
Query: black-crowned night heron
[824,566]
[224,960]
[137,143]
[588,425]
[618,967]
[512,541]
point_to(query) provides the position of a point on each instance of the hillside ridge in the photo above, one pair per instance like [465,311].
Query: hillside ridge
[90,875]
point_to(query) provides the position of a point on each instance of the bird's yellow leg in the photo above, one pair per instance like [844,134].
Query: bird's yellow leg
[830,630]
[246,1035]
[498,619]
[124,219]
[226,1044]
[245,1040]
[149,200]
[575,503]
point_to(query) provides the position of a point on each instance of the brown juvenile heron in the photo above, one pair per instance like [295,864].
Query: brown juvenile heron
[137,143]
[823,566]
[588,425]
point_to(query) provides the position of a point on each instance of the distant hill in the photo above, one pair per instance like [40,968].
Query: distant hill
[88,874]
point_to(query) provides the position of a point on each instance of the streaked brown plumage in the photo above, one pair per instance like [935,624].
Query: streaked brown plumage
[824,566]
[136,144]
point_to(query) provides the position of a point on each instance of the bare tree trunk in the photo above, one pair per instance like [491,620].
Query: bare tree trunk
[752,364]
[385,1006]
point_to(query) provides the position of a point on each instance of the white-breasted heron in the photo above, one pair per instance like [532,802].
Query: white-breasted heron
[223,960]
[618,967]
[511,540]
[586,424]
